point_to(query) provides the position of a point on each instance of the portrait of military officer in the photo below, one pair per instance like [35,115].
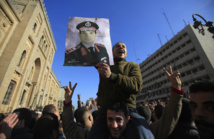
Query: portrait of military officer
[87,52]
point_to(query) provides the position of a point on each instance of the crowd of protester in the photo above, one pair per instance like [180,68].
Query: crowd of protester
[175,118]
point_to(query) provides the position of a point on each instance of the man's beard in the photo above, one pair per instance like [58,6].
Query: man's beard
[118,59]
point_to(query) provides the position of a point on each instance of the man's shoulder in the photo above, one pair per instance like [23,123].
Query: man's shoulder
[73,49]
[133,64]
[99,45]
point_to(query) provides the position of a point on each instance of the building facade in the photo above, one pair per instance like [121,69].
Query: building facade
[188,51]
[27,49]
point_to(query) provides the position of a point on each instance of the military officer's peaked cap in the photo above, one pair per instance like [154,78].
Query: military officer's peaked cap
[87,25]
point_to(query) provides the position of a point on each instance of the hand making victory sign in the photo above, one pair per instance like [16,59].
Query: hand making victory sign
[69,90]
[173,77]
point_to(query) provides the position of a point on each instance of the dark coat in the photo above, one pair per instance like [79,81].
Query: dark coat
[81,56]
[21,133]
[73,130]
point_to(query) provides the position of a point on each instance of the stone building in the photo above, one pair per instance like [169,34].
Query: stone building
[27,49]
[188,51]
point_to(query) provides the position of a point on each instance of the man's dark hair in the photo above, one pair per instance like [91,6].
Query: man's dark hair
[34,119]
[186,115]
[79,115]
[24,114]
[159,111]
[94,114]
[119,107]
[145,112]
[49,109]
[201,86]
[45,126]
[2,116]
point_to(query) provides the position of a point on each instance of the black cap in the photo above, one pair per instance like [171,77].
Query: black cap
[87,25]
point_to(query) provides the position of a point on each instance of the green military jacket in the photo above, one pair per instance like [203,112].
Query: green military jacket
[125,82]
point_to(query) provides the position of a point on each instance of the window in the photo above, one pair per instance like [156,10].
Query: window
[187,53]
[201,67]
[9,92]
[182,74]
[185,34]
[46,46]
[183,45]
[180,38]
[178,48]
[23,95]
[191,62]
[22,59]
[189,41]
[175,41]
[197,58]
[188,72]
[195,70]
[34,27]
[41,40]
[179,66]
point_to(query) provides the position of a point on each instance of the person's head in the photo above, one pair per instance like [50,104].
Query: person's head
[2,116]
[94,114]
[186,115]
[38,114]
[84,116]
[34,119]
[117,118]
[87,32]
[119,51]
[24,116]
[145,112]
[47,127]
[51,108]
[158,112]
[202,105]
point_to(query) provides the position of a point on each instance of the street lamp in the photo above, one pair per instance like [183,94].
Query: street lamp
[198,25]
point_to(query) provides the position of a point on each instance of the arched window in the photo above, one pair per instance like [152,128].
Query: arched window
[34,27]
[43,45]
[46,47]
[41,40]
[9,92]
[22,98]
[21,61]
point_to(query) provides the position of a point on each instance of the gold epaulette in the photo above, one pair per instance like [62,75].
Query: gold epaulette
[72,49]
[83,51]
[98,44]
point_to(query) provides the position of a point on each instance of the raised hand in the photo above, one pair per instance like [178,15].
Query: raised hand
[83,104]
[69,90]
[7,125]
[78,96]
[173,77]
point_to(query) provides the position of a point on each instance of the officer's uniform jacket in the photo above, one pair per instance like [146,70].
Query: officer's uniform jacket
[81,56]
